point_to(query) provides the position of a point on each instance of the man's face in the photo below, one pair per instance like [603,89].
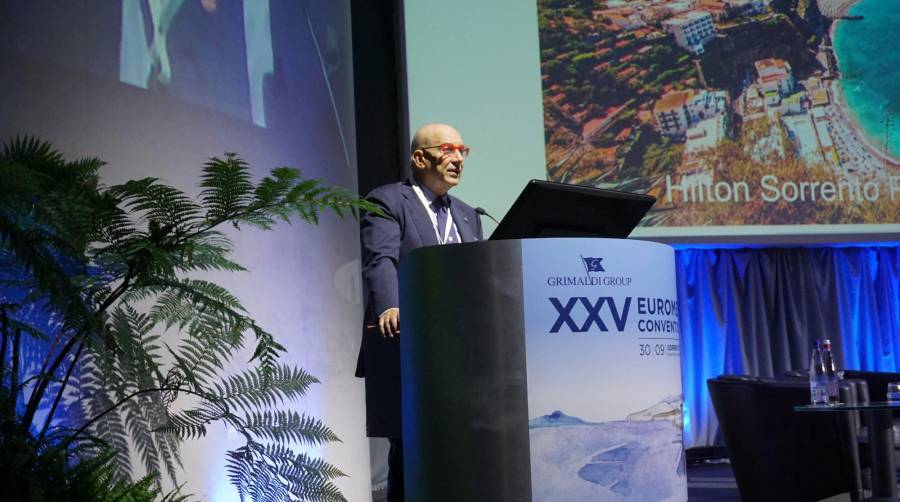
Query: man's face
[439,171]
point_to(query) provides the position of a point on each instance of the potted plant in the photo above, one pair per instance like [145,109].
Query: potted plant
[103,323]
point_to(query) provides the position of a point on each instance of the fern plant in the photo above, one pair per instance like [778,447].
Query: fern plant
[84,358]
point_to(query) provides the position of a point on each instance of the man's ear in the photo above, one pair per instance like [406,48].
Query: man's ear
[418,158]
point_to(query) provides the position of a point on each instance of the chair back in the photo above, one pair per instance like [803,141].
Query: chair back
[778,453]
[877,382]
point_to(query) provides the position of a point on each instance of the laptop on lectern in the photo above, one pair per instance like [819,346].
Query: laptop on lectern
[548,209]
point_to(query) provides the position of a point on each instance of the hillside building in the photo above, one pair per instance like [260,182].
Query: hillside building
[705,135]
[627,23]
[716,8]
[706,104]
[678,7]
[677,111]
[744,7]
[691,30]
[671,113]
[775,79]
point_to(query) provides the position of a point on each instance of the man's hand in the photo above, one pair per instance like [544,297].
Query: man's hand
[389,323]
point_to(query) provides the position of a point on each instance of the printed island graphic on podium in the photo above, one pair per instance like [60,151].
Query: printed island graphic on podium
[542,369]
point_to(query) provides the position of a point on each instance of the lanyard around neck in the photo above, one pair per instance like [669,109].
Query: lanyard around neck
[433,216]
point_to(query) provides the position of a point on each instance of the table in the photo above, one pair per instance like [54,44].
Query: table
[881,443]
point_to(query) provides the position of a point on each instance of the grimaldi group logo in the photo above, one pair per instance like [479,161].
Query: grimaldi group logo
[595,275]
[590,304]
[592,264]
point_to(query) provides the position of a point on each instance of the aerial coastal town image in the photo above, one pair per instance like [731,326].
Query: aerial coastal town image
[730,112]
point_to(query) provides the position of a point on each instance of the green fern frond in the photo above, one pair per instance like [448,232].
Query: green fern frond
[254,390]
[30,250]
[261,476]
[267,349]
[192,423]
[281,455]
[31,151]
[316,467]
[142,437]
[176,496]
[227,187]
[239,471]
[307,478]
[165,208]
[184,368]
[93,477]
[204,353]
[203,294]
[111,432]
[208,252]
[276,186]
[310,198]
[113,224]
[169,451]
[200,359]
[285,426]
[17,178]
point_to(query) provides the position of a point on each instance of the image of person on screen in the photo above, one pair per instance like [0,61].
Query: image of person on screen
[420,212]
[206,52]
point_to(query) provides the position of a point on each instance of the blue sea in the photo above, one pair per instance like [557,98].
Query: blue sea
[870,67]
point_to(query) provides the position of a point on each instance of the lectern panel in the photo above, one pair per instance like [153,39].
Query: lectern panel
[465,408]
[604,368]
[544,370]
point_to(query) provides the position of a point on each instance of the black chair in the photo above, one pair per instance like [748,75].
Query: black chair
[780,454]
[874,386]
[856,391]
[855,387]
[876,380]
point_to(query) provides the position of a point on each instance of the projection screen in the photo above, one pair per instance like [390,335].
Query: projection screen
[749,120]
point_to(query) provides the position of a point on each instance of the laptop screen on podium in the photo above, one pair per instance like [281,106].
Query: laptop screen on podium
[547,209]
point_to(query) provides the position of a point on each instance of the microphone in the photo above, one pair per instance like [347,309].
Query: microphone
[482,212]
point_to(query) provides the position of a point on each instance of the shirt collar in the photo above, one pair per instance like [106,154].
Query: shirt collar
[429,195]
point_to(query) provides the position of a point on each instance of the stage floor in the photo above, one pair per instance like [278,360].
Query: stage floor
[707,482]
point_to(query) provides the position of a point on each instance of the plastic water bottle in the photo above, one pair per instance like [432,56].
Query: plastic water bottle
[831,375]
[818,380]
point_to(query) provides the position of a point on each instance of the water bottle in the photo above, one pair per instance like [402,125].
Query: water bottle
[818,381]
[831,375]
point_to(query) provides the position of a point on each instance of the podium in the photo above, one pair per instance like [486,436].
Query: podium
[541,370]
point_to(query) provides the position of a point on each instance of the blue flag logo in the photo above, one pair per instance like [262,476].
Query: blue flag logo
[593,264]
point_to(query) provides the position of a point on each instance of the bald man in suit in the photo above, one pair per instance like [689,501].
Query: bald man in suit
[420,212]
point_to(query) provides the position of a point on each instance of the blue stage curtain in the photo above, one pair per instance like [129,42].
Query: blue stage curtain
[757,311]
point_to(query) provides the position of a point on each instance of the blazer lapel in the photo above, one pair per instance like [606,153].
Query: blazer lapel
[419,216]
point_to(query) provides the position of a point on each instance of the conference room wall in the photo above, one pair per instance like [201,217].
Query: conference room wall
[60,83]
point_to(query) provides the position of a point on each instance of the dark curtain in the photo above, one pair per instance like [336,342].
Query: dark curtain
[757,312]
[379,84]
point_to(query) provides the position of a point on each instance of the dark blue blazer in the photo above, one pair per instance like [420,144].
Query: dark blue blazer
[385,241]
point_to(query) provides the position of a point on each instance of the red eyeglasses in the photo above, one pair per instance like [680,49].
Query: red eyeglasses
[449,148]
